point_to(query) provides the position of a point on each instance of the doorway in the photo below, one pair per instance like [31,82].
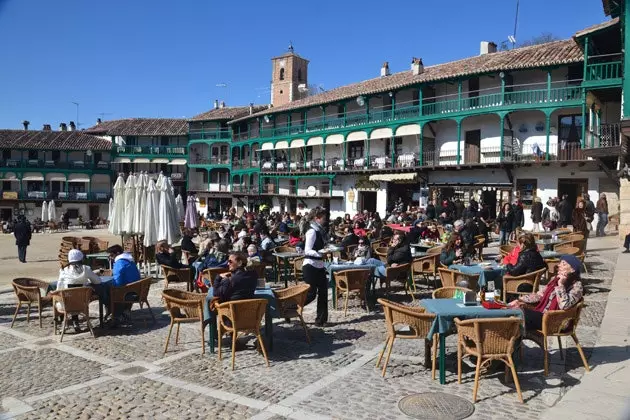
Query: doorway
[490,198]
[367,201]
[472,146]
[573,188]
[6,214]
[93,212]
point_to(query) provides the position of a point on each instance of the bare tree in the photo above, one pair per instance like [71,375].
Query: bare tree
[535,40]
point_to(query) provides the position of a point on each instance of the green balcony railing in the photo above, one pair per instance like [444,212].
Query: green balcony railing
[433,106]
[603,71]
[152,150]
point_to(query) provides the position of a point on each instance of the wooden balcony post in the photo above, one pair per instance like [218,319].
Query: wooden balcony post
[548,85]
[547,129]
[501,136]
[421,143]
[459,101]
[367,152]
[393,106]
[392,145]
[585,75]
[345,115]
[583,96]
[459,136]
[420,101]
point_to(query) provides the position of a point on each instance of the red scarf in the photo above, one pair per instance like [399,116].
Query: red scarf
[542,305]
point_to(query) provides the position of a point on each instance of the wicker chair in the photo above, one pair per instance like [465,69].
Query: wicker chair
[582,258]
[241,316]
[479,245]
[290,303]
[136,292]
[567,250]
[381,253]
[448,292]
[211,273]
[349,251]
[512,283]
[436,250]
[558,323]
[425,266]
[453,278]
[101,245]
[552,267]
[74,301]
[419,323]
[352,281]
[28,292]
[184,307]
[487,340]
[297,269]
[177,275]
[395,273]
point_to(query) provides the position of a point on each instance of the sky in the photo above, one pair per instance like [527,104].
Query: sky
[165,58]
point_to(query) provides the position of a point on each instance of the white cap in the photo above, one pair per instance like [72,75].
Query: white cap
[75,256]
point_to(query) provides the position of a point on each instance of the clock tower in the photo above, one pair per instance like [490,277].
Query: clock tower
[288,72]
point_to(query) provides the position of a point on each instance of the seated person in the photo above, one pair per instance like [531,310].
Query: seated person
[445,219]
[512,257]
[529,259]
[266,243]
[124,271]
[349,238]
[295,240]
[362,252]
[187,243]
[217,256]
[253,257]
[239,283]
[564,291]
[416,232]
[359,229]
[431,234]
[454,251]
[166,255]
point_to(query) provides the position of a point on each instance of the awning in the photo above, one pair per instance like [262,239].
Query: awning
[334,139]
[381,133]
[177,162]
[408,130]
[297,143]
[9,176]
[79,178]
[55,177]
[33,178]
[141,160]
[356,136]
[160,160]
[393,177]
[267,146]
[122,160]
[315,141]
[282,145]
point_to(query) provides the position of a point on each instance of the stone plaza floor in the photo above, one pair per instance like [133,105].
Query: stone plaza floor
[124,373]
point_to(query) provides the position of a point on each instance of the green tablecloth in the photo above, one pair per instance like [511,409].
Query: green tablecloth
[492,273]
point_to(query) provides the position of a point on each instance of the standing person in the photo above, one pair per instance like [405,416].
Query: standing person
[589,210]
[313,267]
[565,209]
[537,209]
[602,214]
[578,219]
[505,221]
[431,211]
[519,218]
[22,233]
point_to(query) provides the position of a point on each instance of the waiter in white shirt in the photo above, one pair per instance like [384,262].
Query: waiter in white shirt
[313,268]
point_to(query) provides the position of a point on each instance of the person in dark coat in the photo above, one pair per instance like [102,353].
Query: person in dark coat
[22,233]
[529,260]
[399,251]
[431,211]
[519,216]
[459,209]
[578,219]
[505,220]
[350,238]
[565,209]
[537,209]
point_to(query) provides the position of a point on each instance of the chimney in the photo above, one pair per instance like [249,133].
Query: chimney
[63,127]
[72,126]
[385,69]
[222,105]
[416,66]
[251,108]
[46,127]
[216,103]
[25,123]
[98,121]
[487,47]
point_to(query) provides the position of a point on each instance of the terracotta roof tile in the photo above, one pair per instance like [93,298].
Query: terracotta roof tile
[52,140]
[548,54]
[142,127]
[596,28]
[226,113]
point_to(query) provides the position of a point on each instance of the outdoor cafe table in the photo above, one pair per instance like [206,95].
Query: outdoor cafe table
[99,256]
[400,227]
[486,274]
[332,268]
[549,243]
[270,313]
[446,310]
[550,254]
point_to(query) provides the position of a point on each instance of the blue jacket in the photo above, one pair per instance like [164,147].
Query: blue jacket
[125,270]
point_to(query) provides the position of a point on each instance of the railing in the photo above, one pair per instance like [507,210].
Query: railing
[57,195]
[604,67]
[51,164]
[210,134]
[152,150]
[245,189]
[515,95]
[271,188]
[241,164]
[604,135]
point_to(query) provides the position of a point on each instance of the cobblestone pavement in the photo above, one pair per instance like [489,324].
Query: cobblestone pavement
[124,373]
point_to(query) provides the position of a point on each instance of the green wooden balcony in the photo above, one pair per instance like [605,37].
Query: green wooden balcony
[210,134]
[52,165]
[511,99]
[604,74]
[152,151]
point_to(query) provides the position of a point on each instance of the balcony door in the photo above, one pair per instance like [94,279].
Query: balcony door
[472,146]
